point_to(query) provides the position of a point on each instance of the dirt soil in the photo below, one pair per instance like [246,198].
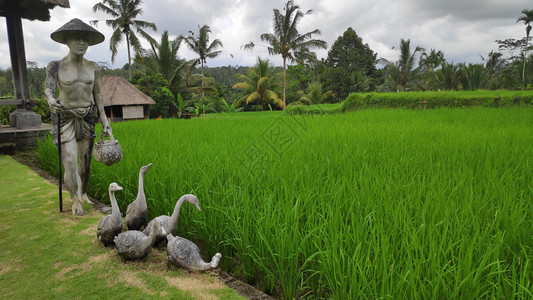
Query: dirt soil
[244,289]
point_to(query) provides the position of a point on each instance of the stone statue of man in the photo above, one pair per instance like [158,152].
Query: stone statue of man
[79,97]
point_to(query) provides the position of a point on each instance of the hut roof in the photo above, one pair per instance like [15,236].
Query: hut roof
[118,91]
[31,9]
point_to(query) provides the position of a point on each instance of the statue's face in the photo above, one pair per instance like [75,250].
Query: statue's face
[77,45]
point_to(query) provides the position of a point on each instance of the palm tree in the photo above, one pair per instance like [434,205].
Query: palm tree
[432,60]
[287,40]
[124,13]
[527,19]
[201,46]
[314,94]
[406,62]
[163,58]
[495,64]
[259,86]
[392,76]
[472,76]
[201,84]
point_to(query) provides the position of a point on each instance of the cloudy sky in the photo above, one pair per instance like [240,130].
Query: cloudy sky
[462,29]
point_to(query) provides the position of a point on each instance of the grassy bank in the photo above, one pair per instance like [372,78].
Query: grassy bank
[371,204]
[45,254]
[433,99]
[317,109]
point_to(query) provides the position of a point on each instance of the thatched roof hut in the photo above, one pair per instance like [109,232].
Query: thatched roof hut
[31,9]
[123,101]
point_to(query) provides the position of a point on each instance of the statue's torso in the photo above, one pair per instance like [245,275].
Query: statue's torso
[76,83]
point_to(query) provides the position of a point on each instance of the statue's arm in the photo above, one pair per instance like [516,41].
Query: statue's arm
[50,87]
[99,101]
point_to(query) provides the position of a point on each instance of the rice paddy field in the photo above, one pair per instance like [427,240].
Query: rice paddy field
[417,204]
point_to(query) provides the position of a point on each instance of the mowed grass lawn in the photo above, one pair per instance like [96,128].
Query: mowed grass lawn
[401,204]
[45,254]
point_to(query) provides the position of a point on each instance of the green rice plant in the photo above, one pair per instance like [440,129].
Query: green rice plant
[368,204]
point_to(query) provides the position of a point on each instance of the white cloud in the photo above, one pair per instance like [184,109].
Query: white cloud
[462,29]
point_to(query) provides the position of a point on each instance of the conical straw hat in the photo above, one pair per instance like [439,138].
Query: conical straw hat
[78,28]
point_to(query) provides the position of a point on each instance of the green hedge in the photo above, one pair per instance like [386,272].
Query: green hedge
[422,100]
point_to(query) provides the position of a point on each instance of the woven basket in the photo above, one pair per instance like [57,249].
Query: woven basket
[107,151]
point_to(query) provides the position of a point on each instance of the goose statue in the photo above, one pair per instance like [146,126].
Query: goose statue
[136,212]
[110,225]
[185,254]
[170,224]
[134,244]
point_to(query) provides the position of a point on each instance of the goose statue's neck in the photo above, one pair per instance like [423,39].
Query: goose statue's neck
[175,215]
[114,206]
[140,191]
[153,235]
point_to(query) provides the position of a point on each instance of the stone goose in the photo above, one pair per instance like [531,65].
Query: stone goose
[110,225]
[185,254]
[170,224]
[136,212]
[134,244]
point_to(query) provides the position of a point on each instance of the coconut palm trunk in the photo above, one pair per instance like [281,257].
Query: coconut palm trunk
[525,59]
[202,94]
[129,55]
[527,19]
[284,79]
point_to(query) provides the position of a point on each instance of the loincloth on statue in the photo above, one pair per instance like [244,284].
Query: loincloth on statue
[76,123]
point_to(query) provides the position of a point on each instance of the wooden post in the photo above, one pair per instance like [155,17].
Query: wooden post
[59,162]
[18,60]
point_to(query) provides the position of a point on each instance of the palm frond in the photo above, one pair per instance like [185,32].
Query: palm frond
[253,97]
[104,8]
[143,24]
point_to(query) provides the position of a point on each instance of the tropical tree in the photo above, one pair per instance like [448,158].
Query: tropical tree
[432,60]
[447,77]
[155,86]
[204,49]
[201,84]
[287,40]
[406,62]
[259,86]
[527,19]
[473,76]
[163,59]
[314,94]
[298,78]
[230,108]
[200,45]
[494,66]
[351,62]
[427,66]
[511,46]
[392,75]
[124,13]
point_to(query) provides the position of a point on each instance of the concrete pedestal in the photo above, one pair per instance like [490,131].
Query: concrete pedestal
[24,119]
[12,139]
